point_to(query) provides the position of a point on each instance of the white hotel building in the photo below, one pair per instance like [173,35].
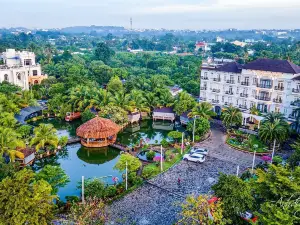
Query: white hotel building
[20,68]
[269,85]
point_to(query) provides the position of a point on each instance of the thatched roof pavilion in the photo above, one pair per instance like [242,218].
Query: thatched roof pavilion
[98,132]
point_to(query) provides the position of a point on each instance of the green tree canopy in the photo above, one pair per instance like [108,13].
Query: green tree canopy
[133,163]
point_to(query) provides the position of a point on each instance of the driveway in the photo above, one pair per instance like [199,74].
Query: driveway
[158,202]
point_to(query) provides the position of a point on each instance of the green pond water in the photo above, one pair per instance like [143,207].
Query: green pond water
[78,161]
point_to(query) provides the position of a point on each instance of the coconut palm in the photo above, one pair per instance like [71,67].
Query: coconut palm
[254,111]
[275,131]
[151,100]
[137,97]
[100,99]
[272,116]
[9,141]
[44,135]
[232,116]
[81,97]
[203,109]
[123,100]
[166,99]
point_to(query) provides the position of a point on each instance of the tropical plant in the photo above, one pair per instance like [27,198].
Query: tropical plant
[294,159]
[25,200]
[150,155]
[202,126]
[151,100]
[87,115]
[183,103]
[199,210]
[54,175]
[203,109]
[114,113]
[123,101]
[254,111]
[94,188]
[9,141]
[63,141]
[232,116]
[44,135]
[175,135]
[137,96]
[115,85]
[24,131]
[165,98]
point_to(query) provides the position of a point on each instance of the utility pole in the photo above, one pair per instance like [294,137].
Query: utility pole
[182,143]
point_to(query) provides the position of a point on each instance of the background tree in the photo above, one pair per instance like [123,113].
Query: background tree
[183,103]
[24,200]
[44,135]
[54,175]
[115,85]
[294,159]
[103,52]
[175,135]
[87,115]
[114,113]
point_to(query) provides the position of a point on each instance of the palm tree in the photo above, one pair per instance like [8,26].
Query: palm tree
[254,111]
[272,116]
[9,141]
[137,97]
[151,101]
[44,135]
[166,99]
[232,116]
[123,100]
[81,97]
[100,99]
[275,131]
[203,109]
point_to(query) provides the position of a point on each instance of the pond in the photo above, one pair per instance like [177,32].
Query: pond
[77,160]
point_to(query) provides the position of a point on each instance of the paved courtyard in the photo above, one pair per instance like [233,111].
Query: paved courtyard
[158,202]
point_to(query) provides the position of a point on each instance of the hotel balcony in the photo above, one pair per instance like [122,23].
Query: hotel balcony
[217,79]
[203,88]
[204,78]
[291,116]
[278,88]
[230,81]
[264,86]
[244,95]
[215,101]
[295,103]
[277,100]
[245,83]
[203,98]
[263,98]
[296,90]
[228,92]
[216,90]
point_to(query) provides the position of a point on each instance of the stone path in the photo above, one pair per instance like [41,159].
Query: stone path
[150,204]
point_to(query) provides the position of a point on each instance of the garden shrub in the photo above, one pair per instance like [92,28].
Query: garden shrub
[63,141]
[164,143]
[277,160]
[202,126]
[111,191]
[150,155]
[197,138]
[94,188]
[149,172]
[72,198]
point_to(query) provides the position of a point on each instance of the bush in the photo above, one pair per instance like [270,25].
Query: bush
[110,191]
[150,155]
[149,172]
[134,179]
[94,188]
[202,126]
[164,143]
[72,198]
[277,160]
[175,135]
[197,138]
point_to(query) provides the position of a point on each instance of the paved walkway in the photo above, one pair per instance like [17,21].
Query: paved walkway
[27,113]
[153,205]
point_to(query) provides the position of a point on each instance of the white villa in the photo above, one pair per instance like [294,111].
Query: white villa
[267,84]
[20,68]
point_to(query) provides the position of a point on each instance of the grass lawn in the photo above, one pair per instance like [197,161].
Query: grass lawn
[243,145]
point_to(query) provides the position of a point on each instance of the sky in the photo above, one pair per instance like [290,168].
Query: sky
[169,14]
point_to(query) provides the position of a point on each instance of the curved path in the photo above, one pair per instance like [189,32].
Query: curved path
[158,202]
[25,113]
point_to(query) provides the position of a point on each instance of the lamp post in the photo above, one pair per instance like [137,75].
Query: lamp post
[253,162]
[237,170]
[273,151]
[126,177]
[194,125]
[182,143]
[161,159]
[82,189]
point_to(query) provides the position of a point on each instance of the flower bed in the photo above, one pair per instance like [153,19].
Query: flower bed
[241,142]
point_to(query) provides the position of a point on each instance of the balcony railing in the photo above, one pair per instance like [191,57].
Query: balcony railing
[203,88]
[242,106]
[277,100]
[204,78]
[291,116]
[228,92]
[217,79]
[230,81]
[296,90]
[278,88]
[263,98]
[215,101]
[216,90]
[264,86]
[203,98]
[245,83]
[226,103]
[295,103]
[244,95]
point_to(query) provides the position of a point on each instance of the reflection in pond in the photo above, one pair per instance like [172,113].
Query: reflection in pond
[97,155]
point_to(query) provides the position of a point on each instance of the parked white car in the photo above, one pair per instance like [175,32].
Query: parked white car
[202,151]
[199,158]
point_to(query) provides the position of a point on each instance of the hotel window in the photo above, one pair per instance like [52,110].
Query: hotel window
[254,81]
[19,76]
[34,73]
[277,109]
[5,77]
[222,98]
[239,79]
[27,62]
[289,86]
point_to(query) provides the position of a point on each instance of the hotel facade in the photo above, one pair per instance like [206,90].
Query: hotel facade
[267,84]
[20,68]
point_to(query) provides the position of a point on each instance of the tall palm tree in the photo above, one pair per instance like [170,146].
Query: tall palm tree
[203,109]
[137,97]
[44,135]
[232,116]
[272,116]
[254,111]
[100,99]
[273,131]
[166,99]
[151,100]
[81,97]
[9,141]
